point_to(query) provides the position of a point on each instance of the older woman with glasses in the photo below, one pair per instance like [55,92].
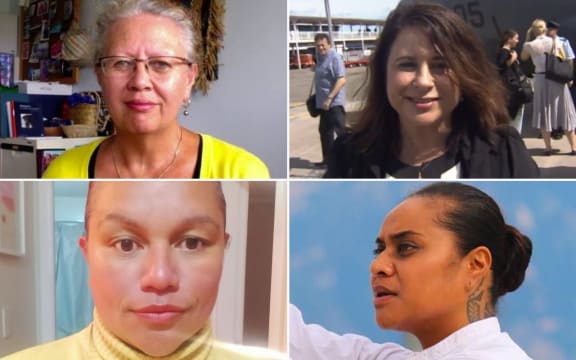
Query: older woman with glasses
[145,64]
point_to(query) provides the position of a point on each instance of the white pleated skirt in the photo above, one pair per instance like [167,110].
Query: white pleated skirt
[552,105]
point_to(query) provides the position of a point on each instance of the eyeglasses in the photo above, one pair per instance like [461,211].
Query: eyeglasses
[157,66]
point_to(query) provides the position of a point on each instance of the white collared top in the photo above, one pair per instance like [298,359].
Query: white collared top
[313,342]
[480,340]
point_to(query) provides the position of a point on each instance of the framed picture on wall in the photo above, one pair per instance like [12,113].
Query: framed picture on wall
[12,241]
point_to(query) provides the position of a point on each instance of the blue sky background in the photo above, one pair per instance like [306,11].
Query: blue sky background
[364,9]
[333,226]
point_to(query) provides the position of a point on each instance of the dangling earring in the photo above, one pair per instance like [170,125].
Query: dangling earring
[186,106]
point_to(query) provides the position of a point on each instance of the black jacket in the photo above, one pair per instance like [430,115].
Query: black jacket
[505,156]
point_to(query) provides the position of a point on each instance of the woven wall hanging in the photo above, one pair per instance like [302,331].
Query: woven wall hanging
[208,21]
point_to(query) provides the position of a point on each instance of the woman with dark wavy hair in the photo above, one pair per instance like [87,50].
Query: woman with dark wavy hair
[436,107]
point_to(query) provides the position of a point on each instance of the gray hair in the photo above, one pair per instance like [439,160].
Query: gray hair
[118,9]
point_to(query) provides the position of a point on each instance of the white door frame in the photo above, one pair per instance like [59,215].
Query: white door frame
[43,234]
[228,314]
[277,333]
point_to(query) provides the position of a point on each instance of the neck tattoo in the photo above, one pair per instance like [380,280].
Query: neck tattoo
[176,152]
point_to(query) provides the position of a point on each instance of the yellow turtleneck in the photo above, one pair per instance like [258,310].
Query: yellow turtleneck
[108,346]
[97,343]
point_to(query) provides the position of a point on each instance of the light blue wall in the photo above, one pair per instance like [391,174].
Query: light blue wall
[68,208]
[69,200]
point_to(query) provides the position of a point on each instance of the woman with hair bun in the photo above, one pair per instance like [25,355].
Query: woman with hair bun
[444,257]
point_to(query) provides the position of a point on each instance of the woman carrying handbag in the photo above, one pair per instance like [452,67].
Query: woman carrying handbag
[553,106]
[519,87]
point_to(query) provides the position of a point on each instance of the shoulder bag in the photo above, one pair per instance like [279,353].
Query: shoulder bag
[556,69]
[524,90]
[311,103]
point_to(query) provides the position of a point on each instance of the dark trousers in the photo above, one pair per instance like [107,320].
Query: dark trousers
[332,122]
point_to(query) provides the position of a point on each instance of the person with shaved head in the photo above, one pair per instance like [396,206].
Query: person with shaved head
[155,252]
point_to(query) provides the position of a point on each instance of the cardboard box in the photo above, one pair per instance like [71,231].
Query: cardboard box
[44,88]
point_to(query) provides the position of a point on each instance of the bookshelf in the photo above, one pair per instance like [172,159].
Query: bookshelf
[41,27]
[51,106]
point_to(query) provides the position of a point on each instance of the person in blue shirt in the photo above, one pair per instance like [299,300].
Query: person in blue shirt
[329,80]
[566,51]
[553,27]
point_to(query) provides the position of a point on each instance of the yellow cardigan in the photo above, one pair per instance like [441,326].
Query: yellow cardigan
[220,160]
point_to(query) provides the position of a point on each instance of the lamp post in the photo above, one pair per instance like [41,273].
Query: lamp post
[329,18]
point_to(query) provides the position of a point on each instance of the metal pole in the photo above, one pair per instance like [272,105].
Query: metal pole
[329,18]
[297,38]
[362,38]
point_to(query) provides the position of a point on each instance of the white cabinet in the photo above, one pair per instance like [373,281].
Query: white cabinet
[23,158]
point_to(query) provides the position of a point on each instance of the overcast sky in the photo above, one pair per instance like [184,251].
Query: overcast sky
[365,9]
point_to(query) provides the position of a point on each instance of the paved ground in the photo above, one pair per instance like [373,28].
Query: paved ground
[305,141]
